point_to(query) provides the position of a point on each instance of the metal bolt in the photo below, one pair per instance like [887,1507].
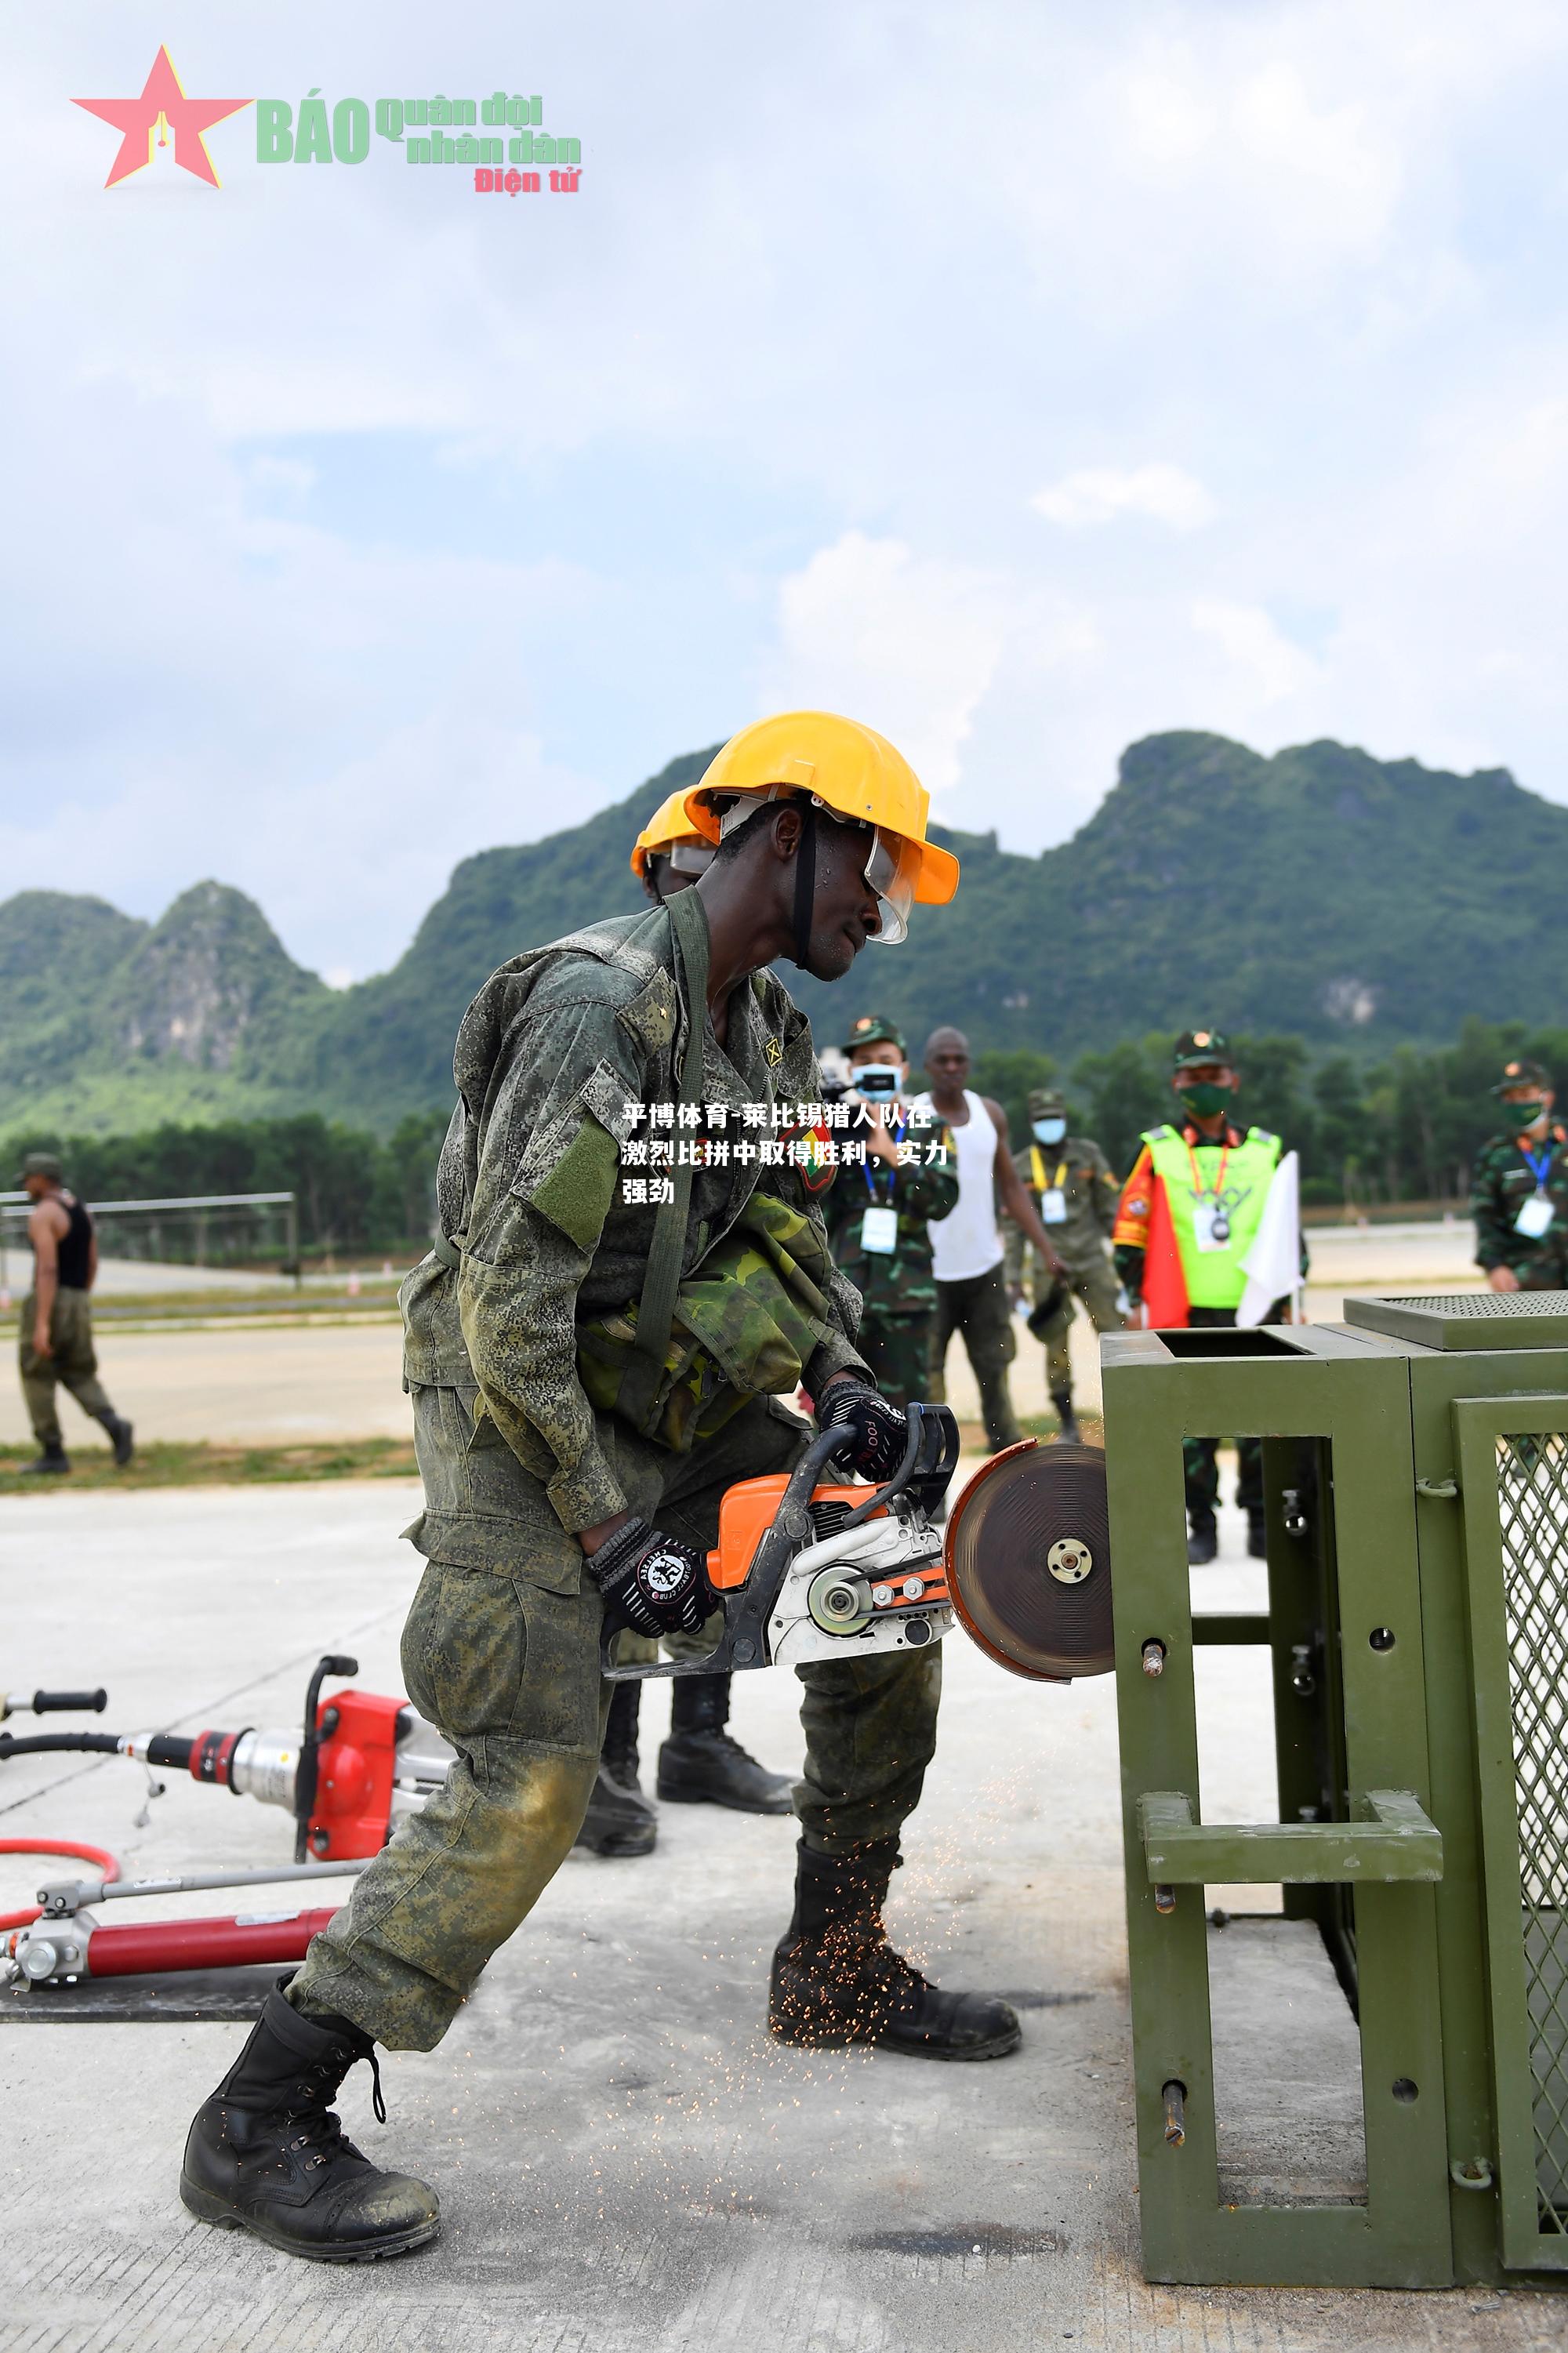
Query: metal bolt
[1164,1899]
[1174,2097]
[1153,1658]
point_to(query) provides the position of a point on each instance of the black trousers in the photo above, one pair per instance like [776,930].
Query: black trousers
[1200,1456]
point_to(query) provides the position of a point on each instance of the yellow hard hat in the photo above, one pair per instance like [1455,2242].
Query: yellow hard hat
[853,772]
[667,828]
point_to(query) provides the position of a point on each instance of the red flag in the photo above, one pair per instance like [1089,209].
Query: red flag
[1164,1285]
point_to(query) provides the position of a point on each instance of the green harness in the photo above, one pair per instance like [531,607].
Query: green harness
[679,1362]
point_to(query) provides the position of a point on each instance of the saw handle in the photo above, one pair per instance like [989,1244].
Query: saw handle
[930,1459]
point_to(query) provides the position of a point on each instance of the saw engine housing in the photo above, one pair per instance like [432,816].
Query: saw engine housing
[807,1572]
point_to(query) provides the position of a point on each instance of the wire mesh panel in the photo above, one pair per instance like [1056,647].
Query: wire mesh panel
[1533,1506]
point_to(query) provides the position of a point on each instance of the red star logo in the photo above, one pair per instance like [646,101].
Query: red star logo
[162,106]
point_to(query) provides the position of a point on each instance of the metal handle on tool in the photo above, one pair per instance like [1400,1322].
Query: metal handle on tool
[66,1897]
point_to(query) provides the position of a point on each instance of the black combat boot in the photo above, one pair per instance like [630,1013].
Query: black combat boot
[1257,1533]
[619,1820]
[54,1459]
[837,1980]
[702,1765]
[120,1436]
[267,2155]
[1070,1431]
[1202,1540]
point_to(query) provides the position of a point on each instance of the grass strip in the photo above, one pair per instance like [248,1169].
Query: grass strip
[172,1465]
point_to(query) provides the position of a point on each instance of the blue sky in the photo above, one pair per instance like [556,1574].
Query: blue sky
[1022,379]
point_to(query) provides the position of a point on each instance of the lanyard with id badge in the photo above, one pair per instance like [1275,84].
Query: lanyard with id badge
[880,1219]
[1537,1215]
[1211,1222]
[1053,1196]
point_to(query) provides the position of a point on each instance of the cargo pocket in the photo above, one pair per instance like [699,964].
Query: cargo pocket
[483,1508]
[489,1656]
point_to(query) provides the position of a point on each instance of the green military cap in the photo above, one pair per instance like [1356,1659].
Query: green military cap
[1044,1100]
[42,1164]
[873,1030]
[1196,1046]
[1521,1074]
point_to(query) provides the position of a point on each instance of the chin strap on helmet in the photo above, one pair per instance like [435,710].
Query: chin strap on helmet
[805,882]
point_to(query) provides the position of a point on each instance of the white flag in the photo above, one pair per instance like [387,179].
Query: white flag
[1273,1265]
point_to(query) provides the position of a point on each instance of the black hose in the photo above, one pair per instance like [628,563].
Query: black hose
[163,1748]
[35,1744]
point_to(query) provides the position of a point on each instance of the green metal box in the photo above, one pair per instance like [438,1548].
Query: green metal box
[1415,1465]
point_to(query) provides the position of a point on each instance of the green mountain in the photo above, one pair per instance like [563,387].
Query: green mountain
[1351,900]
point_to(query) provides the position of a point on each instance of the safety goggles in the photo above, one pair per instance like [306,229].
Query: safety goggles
[690,857]
[891,869]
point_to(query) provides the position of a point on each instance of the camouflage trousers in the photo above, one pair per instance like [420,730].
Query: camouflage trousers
[977,1306]
[506,1662]
[1096,1287]
[897,1350]
[72,1364]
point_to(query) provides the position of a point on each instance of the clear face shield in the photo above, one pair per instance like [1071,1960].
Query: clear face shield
[892,870]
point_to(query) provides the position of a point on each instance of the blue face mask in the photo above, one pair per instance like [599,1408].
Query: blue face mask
[1050,1131]
[878,1082]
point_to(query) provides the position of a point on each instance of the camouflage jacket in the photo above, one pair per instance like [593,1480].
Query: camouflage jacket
[1501,1183]
[1090,1193]
[559,1060]
[900,1282]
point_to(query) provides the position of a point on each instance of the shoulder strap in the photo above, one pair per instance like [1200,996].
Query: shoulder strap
[688,936]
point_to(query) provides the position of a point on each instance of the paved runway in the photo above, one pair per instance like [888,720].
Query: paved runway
[292,1385]
[629,2164]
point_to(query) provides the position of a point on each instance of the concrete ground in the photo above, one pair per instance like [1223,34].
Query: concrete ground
[629,2164]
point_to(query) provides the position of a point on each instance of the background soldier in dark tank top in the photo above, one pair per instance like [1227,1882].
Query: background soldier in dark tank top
[54,1331]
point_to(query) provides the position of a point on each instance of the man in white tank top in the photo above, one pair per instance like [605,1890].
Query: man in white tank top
[966,1247]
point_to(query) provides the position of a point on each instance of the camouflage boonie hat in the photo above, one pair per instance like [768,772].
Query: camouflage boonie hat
[874,1029]
[42,1164]
[1521,1074]
[1196,1046]
[1044,1101]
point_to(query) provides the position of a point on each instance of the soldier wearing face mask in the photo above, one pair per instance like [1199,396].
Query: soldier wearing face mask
[1216,1175]
[1068,1179]
[1520,1190]
[878,1213]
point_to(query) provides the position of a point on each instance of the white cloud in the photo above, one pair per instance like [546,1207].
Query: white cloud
[755,418]
[1096,494]
[1269,668]
[909,645]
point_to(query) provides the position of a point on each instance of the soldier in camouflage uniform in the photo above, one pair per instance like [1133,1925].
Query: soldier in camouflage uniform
[590,1373]
[887,1254]
[1518,1192]
[1068,1179]
[702,1763]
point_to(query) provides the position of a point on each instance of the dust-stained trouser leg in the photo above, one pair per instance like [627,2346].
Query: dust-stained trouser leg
[510,1672]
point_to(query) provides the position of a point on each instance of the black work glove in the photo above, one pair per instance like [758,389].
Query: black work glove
[881,1431]
[651,1582]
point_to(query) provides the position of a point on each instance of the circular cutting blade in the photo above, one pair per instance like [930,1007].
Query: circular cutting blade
[1029,1561]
